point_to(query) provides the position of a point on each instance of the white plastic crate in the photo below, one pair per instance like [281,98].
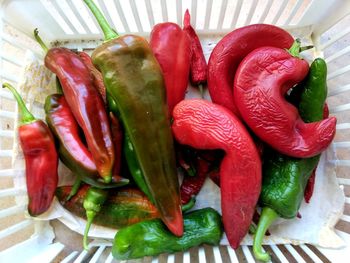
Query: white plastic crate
[325,23]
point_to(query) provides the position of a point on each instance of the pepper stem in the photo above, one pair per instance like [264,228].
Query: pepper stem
[201,90]
[25,116]
[58,86]
[108,31]
[40,41]
[74,189]
[90,215]
[295,48]
[189,204]
[266,218]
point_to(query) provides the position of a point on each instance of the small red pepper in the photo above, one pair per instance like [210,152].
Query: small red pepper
[260,85]
[40,156]
[117,135]
[205,125]
[172,48]
[231,50]
[198,68]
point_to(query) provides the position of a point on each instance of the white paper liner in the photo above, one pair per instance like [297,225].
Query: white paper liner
[318,217]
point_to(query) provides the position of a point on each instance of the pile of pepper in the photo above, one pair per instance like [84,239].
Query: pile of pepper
[120,118]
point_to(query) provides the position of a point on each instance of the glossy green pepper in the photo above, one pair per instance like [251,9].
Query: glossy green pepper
[134,80]
[151,238]
[285,178]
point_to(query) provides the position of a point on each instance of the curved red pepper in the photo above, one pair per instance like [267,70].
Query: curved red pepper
[86,105]
[230,51]
[260,85]
[205,125]
[172,48]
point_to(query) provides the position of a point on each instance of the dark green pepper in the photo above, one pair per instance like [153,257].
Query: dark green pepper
[134,80]
[151,238]
[285,178]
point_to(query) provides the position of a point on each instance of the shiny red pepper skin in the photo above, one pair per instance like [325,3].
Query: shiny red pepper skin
[198,69]
[205,125]
[117,134]
[260,85]
[172,49]
[231,50]
[86,105]
[41,160]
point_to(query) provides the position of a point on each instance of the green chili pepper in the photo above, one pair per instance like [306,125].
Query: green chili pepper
[74,189]
[151,238]
[93,202]
[285,178]
[134,80]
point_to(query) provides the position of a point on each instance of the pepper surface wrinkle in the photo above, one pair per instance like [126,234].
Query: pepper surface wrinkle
[204,125]
[261,82]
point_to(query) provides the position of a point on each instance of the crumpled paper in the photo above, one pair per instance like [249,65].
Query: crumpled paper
[318,218]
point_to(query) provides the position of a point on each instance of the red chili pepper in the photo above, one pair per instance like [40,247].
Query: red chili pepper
[198,68]
[205,125]
[96,75]
[309,190]
[117,134]
[85,102]
[172,48]
[261,82]
[191,185]
[40,156]
[230,51]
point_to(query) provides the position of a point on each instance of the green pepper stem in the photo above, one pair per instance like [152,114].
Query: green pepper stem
[25,116]
[267,216]
[108,31]
[189,204]
[201,90]
[305,48]
[295,48]
[40,41]
[90,215]
[74,189]
[58,86]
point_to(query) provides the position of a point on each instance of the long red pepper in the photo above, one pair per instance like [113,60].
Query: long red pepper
[172,48]
[117,134]
[261,82]
[86,104]
[230,51]
[198,68]
[40,156]
[205,125]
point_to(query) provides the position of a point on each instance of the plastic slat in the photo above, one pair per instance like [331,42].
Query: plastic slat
[279,254]
[335,38]
[339,90]
[340,108]
[248,255]
[150,12]
[11,211]
[136,16]
[338,54]
[343,126]
[279,12]
[48,253]
[12,192]
[338,72]
[266,11]
[9,76]
[7,134]
[345,218]
[340,162]
[109,259]
[115,16]
[222,14]
[7,114]
[13,229]
[57,17]
[194,13]
[295,9]
[81,256]
[155,260]
[251,12]
[68,12]
[295,254]
[165,10]
[6,94]
[232,255]
[179,12]
[11,40]
[201,255]
[97,254]
[171,258]
[347,200]
[10,172]
[217,255]
[310,253]
[344,181]
[5,153]
[122,16]
[344,144]
[85,16]
[70,257]
[236,14]
[11,59]
[208,14]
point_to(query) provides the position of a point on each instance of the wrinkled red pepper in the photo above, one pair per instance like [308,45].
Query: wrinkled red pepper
[198,68]
[230,51]
[260,85]
[205,125]
[172,48]
[40,156]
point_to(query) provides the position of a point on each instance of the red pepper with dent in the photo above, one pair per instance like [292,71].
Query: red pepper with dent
[205,125]
[231,50]
[198,64]
[260,85]
[86,104]
[41,158]
[172,49]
